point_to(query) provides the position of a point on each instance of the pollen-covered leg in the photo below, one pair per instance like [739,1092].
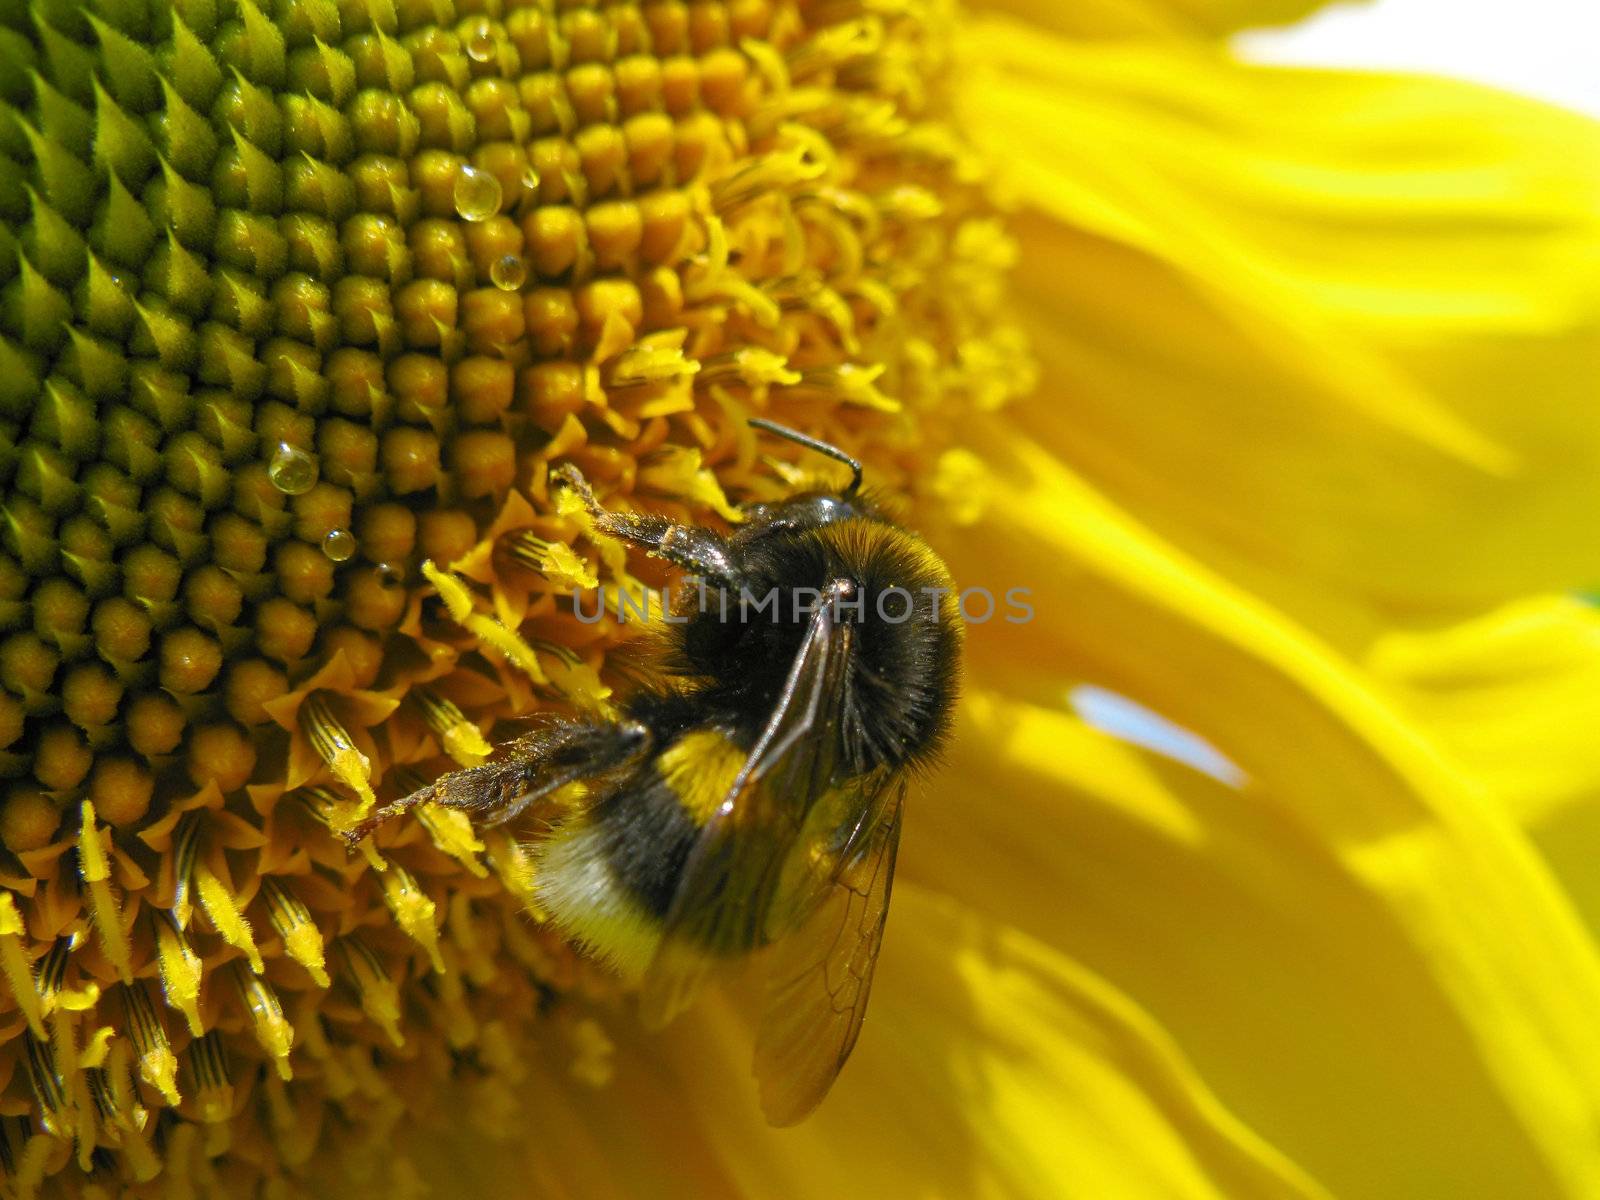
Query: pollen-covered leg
[702,551]
[533,767]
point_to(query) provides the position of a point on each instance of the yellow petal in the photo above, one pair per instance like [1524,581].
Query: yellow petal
[1299,997]
[1515,697]
[988,1067]
[1453,880]
[1150,18]
[1348,321]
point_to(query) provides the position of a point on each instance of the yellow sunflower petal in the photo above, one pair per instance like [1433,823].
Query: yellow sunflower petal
[1247,940]
[1387,288]
[1066,1088]
[1456,881]
[1151,18]
[1515,697]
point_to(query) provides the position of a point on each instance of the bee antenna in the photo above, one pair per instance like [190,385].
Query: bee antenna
[811,443]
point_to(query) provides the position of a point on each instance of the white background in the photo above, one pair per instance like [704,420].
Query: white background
[1544,48]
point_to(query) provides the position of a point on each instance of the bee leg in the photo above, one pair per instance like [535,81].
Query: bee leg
[701,551]
[534,766]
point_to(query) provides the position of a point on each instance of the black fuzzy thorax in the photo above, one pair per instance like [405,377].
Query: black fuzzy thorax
[735,648]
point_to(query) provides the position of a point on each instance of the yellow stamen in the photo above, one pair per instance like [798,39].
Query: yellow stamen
[14,963]
[413,911]
[112,1087]
[180,971]
[380,998]
[556,561]
[577,680]
[274,1033]
[654,358]
[498,1051]
[69,1071]
[213,1088]
[97,1048]
[95,868]
[753,366]
[158,1065]
[479,965]
[679,471]
[292,922]
[309,1033]
[514,866]
[851,383]
[186,848]
[183,1148]
[288,1125]
[55,1113]
[593,1053]
[337,813]
[458,602]
[143,1163]
[223,909]
[33,1164]
[463,741]
[452,831]
[460,1027]
[333,742]
[771,173]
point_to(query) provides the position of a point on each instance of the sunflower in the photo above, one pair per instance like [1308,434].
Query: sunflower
[1271,389]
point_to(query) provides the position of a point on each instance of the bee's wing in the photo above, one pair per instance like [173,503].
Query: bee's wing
[822,971]
[733,871]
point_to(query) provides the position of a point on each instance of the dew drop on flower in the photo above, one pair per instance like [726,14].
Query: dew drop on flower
[339,545]
[480,45]
[292,470]
[477,194]
[509,272]
[391,574]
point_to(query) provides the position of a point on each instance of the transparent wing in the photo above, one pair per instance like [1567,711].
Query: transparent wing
[822,976]
[733,872]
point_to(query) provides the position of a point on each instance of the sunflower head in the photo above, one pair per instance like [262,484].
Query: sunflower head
[300,303]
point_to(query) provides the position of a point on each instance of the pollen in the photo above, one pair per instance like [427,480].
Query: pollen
[302,303]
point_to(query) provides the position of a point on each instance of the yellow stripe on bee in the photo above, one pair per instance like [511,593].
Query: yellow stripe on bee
[576,887]
[700,768]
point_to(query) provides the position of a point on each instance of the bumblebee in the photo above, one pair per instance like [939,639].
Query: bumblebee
[750,794]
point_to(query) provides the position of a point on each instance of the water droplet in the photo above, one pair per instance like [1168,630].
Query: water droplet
[391,574]
[292,470]
[480,44]
[477,194]
[509,272]
[339,545]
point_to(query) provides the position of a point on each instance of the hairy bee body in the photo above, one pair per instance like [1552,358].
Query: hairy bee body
[608,878]
[749,791]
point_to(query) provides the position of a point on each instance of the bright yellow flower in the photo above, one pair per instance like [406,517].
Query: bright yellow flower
[302,299]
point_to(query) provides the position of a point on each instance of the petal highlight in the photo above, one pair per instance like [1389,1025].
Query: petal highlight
[1375,300]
